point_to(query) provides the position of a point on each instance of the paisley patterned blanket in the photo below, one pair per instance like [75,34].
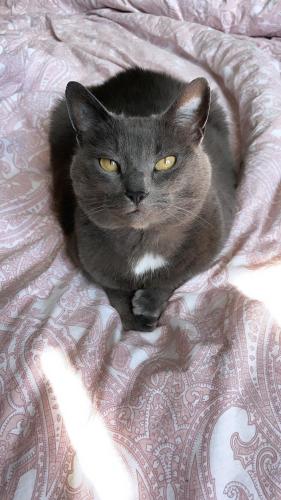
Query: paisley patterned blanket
[193,409]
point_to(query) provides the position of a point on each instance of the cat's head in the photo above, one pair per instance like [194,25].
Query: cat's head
[140,171]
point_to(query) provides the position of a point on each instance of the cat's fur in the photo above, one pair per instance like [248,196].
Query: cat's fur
[136,118]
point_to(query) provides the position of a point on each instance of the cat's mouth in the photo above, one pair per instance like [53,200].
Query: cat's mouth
[135,211]
[138,218]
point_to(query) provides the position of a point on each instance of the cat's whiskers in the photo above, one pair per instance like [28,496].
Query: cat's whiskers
[185,211]
[99,207]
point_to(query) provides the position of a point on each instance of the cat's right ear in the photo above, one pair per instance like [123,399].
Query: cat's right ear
[84,109]
[191,109]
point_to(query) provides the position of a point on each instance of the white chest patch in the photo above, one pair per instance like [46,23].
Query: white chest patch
[148,263]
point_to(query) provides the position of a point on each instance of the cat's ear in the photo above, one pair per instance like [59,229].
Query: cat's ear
[84,108]
[191,108]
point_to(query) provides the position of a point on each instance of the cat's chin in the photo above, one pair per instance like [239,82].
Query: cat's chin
[134,220]
[139,225]
[138,220]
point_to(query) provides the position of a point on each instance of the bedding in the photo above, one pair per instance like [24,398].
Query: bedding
[193,409]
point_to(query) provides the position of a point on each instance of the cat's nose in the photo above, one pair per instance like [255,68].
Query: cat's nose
[136,196]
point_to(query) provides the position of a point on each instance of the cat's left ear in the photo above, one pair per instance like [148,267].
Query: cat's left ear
[191,108]
[84,109]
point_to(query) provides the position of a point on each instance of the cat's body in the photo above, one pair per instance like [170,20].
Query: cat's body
[139,232]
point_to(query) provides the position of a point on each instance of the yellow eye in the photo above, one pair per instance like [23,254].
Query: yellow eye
[108,165]
[165,163]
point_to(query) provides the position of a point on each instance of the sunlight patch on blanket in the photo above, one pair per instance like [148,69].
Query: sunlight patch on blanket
[262,284]
[98,457]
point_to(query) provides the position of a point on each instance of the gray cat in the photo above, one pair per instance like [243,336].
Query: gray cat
[143,184]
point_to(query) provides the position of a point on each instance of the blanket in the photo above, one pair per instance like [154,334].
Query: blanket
[191,410]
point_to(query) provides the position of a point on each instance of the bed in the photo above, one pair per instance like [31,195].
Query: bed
[191,410]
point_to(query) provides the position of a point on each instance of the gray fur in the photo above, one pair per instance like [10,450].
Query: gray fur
[187,212]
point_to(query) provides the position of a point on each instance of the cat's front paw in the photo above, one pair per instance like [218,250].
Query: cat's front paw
[144,303]
[144,324]
[147,305]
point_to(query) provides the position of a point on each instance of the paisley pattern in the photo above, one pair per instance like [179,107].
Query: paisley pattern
[193,409]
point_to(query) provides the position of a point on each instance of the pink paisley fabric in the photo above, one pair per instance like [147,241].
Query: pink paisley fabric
[192,410]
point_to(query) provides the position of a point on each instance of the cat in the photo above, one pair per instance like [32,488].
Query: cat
[143,185]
